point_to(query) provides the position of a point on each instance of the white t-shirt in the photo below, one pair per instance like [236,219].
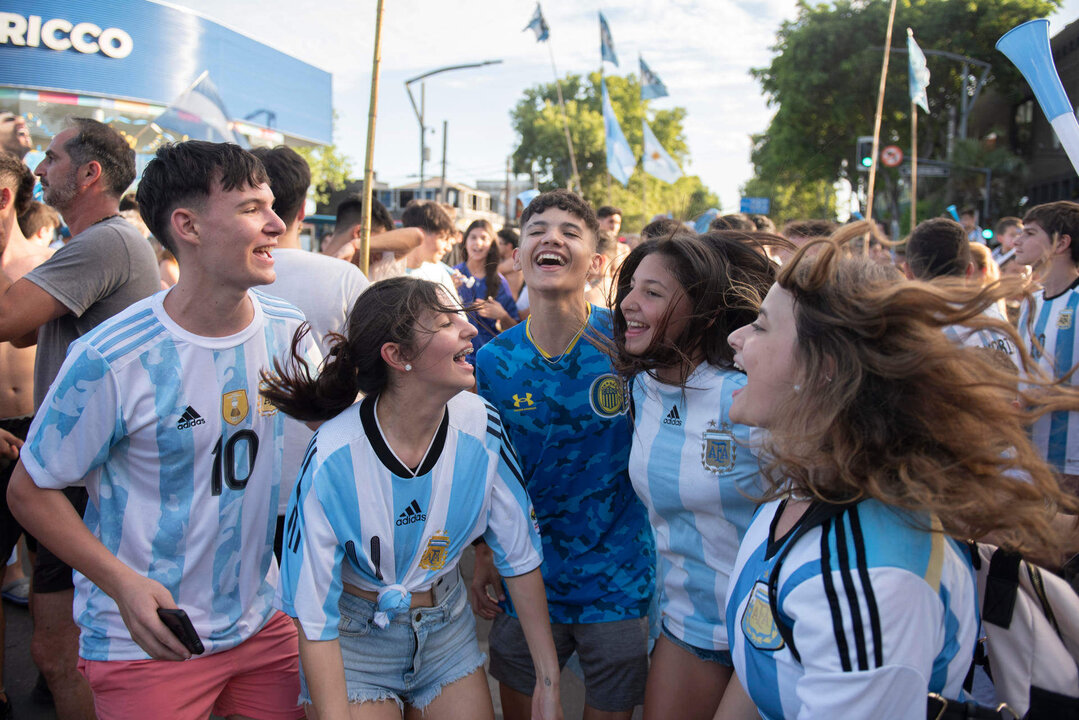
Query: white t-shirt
[181,458]
[324,288]
[437,273]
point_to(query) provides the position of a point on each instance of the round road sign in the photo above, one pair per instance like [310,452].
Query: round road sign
[891,156]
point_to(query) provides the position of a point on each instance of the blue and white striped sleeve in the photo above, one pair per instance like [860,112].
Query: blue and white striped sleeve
[512,530]
[79,422]
[311,558]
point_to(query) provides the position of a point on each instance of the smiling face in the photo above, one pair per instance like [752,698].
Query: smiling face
[477,244]
[236,232]
[557,252]
[656,308]
[765,350]
[444,341]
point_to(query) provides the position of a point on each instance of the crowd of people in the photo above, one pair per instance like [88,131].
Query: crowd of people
[725,475]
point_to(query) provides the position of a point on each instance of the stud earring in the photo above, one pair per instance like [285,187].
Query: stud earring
[408,367]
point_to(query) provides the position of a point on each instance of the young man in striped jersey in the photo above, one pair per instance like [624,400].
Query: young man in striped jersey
[158,413]
[1049,243]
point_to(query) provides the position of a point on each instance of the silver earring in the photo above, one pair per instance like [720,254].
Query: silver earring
[797,388]
[408,367]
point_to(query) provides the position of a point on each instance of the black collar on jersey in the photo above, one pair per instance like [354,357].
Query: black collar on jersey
[1075,284]
[382,450]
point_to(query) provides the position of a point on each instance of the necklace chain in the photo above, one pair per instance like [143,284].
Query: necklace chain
[554,360]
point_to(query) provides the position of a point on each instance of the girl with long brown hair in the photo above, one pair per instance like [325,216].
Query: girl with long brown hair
[889,445]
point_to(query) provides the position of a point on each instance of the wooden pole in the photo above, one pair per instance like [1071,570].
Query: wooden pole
[369,157]
[913,165]
[876,122]
[576,180]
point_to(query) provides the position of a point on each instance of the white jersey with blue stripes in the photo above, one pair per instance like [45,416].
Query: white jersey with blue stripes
[690,466]
[180,456]
[990,339]
[1055,435]
[358,516]
[892,617]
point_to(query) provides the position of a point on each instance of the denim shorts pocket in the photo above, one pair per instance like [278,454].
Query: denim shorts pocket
[353,626]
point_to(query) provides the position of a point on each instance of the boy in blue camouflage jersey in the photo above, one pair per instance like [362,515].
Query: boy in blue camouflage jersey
[565,411]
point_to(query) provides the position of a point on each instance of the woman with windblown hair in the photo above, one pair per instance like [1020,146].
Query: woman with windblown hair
[853,594]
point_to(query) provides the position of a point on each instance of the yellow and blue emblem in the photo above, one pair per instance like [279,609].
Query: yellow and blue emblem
[607,396]
[434,556]
[758,624]
[522,403]
[1064,319]
[718,448]
[266,408]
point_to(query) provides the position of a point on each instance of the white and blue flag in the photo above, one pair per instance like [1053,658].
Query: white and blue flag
[606,44]
[657,161]
[620,158]
[538,25]
[651,86]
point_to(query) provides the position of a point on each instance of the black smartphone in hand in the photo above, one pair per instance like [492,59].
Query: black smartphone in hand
[179,623]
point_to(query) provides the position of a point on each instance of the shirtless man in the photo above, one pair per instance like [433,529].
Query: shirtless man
[19,257]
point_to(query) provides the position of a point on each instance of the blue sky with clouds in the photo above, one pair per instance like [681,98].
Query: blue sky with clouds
[702,49]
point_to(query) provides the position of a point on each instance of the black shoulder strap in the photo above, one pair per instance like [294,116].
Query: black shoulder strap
[819,512]
[1001,588]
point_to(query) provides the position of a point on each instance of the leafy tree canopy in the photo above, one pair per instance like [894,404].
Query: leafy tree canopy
[537,120]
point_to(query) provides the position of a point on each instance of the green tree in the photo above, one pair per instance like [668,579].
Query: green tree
[537,120]
[330,169]
[824,77]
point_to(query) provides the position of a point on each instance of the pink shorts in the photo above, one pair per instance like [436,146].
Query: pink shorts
[259,678]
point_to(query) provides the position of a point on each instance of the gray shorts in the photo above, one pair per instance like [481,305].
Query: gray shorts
[614,659]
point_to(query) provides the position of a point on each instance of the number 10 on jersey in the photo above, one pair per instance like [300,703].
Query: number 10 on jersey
[234,462]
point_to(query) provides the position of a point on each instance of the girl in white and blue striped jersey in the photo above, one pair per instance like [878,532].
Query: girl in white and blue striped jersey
[853,595]
[677,299]
[392,490]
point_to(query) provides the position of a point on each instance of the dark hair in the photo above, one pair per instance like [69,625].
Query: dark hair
[389,311]
[490,263]
[15,176]
[289,176]
[566,201]
[608,210]
[723,282]
[734,221]
[809,228]
[97,142]
[128,202]
[606,243]
[509,236]
[968,211]
[185,174]
[1056,219]
[427,216]
[938,247]
[763,223]
[350,213]
[661,228]
[1005,224]
[37,216]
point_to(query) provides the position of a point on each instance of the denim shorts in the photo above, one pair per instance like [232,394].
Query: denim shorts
[721,657]
[411,659]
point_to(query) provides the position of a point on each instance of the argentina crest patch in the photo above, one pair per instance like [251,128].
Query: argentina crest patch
[758,624]
[717,448]
[1064,320]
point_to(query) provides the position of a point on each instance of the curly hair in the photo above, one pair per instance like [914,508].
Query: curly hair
[890,408]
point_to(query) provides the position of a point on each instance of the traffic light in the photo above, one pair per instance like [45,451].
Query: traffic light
[864,154]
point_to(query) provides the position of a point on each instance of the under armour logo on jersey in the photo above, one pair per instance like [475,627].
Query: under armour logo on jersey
[189,419]
[412,514]
[522,402]
[673,418]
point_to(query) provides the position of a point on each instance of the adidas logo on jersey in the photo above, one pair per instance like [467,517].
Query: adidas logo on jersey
[412,514]
[189,419]
[673,418]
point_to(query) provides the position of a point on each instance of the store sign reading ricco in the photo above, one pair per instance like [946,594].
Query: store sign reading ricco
[60,34]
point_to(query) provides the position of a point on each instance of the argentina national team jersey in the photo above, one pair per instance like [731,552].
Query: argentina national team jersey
[358,516]
[989,339]
[567,418]
[690,466]
[1055,435]
[892,617]
[180,455]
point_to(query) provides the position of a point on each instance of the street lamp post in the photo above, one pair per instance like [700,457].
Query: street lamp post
[419,109]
